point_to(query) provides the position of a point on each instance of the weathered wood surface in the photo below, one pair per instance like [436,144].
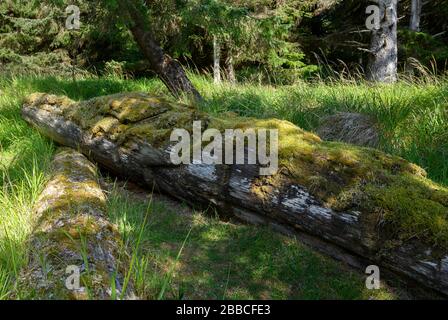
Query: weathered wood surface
[72,236]
[356,236]
[383,53]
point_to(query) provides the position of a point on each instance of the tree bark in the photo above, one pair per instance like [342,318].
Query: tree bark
[169,70]
[229,66]
[76,252]
[383,57]
[416,10]
[216,61]
[282,202]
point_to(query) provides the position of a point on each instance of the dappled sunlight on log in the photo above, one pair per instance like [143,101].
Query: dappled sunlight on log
[355,204]
[72,230]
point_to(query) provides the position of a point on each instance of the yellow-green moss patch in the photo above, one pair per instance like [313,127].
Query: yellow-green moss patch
[71,229]
[382,187]
[347,177]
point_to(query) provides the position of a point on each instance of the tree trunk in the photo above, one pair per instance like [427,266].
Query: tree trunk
[168,69]
[383,58]
[76,252]
[416,10]
[129,134]
[230,70]
[229,66]
[216,61]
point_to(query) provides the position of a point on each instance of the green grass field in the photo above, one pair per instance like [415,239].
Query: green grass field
[219,260]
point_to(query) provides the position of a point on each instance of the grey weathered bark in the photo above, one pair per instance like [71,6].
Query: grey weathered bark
[168,69]
[76,253]
[383,58]
[354,128]
[230,68]
[216,61]
[129,135]
[416,11]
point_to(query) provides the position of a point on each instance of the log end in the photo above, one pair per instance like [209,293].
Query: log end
[72,236]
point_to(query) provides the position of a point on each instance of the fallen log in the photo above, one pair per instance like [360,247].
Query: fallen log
[76,253]
[356,204]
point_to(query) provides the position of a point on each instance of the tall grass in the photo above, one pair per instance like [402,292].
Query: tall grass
[412,115]
[24,156]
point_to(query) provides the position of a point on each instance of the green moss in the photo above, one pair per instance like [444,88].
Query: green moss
[128,116]
[382,187]
[407,202]
[73,189]
[71,229]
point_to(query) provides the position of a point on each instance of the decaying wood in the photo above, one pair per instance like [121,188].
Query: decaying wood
[354,128]
[72,237]
[355,236]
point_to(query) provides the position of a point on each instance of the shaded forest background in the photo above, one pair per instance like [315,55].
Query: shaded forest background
[275,42]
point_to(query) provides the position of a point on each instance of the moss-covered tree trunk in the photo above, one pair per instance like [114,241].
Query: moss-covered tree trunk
[355,204]
[75,252]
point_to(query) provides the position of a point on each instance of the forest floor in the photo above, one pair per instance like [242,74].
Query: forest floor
[190,254]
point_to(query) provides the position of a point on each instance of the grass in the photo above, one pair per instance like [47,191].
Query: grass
[219,260]
[185,254]
[413,117]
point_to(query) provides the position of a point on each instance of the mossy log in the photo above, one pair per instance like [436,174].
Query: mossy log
[76,253]
[355,204]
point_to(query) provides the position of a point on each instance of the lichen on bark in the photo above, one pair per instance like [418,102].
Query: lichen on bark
[384,188]
[375,206]
[71,229]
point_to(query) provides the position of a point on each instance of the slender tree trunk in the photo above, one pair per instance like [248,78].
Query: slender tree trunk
[416,10]
[414,25]
[383,49]
[168,69]
[216,61]
[230,69]
[229,64]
